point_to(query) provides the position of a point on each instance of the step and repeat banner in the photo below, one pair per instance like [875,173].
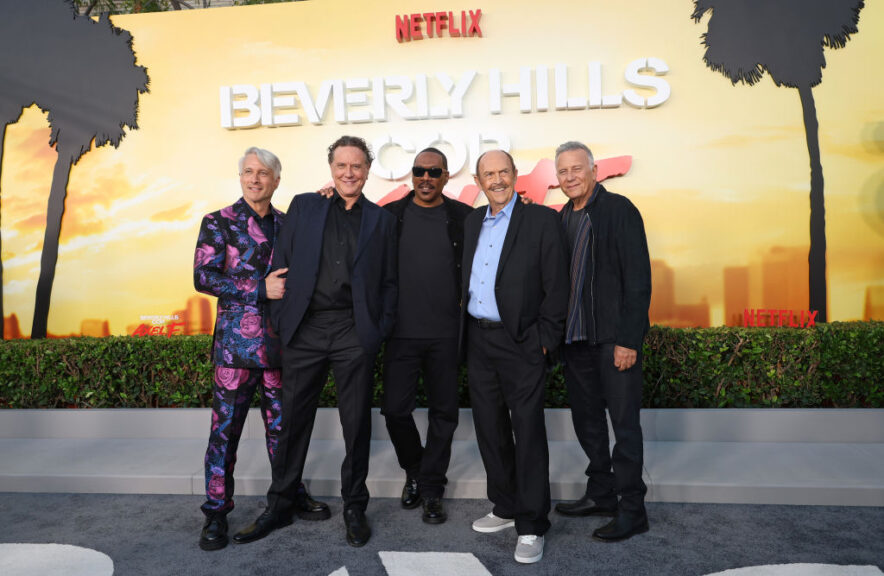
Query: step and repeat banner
[721,171]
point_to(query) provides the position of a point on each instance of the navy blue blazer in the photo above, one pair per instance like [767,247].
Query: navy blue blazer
[373,278]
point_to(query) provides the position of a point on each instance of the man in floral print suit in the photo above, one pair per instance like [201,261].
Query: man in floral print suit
[232,259]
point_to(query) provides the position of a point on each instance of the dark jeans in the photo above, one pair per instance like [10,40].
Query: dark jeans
[506,392]
[323,340]
[594,384]
[404,361]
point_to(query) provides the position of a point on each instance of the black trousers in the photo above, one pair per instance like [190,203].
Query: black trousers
[324,339]
[404,361]
[506,391]
[594,384]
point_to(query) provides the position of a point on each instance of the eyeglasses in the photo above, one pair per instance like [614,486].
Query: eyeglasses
[419,171]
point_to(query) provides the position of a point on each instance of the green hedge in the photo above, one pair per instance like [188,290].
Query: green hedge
[832,365]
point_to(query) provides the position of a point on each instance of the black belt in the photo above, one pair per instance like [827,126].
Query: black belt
[486,324]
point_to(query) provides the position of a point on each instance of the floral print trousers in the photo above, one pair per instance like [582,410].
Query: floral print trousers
[232,394]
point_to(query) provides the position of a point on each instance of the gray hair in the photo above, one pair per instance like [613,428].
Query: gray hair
[266,157]
[574,145]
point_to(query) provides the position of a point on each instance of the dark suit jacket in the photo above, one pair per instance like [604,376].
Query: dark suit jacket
[373,278]
[532,286]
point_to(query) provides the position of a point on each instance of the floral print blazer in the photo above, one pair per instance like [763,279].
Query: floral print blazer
[232,256]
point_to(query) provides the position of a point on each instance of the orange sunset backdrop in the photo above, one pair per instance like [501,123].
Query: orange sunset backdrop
[720,172]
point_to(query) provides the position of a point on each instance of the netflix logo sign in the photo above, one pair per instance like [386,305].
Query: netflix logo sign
[756,317]
[438,24]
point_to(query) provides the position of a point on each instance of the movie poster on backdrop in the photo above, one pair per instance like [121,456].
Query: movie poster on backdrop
[707,116]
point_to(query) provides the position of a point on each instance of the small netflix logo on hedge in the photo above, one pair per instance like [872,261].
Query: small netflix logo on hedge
[781,318]
[160,325]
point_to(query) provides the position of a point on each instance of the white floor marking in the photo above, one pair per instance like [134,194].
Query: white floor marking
[342,571]
[802,570]
[53,560]
[432,564]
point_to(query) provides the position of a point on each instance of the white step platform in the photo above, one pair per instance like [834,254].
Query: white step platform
[761,456]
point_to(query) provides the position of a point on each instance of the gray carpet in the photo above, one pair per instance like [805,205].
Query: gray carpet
[157,534]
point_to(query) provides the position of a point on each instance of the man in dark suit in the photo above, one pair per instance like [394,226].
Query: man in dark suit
[232,262]
[425,337]
[338,307]
[607,321]
[515,296]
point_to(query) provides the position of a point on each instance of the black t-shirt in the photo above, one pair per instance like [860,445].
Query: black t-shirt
[428,299]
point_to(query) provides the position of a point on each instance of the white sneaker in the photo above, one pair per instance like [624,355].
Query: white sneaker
[529,549]
[492,523]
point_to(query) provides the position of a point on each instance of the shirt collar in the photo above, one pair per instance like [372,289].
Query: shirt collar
[506,211]
[336,197]
[254,214]
[594,195]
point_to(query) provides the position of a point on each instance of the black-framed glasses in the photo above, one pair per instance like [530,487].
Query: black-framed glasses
[419,171]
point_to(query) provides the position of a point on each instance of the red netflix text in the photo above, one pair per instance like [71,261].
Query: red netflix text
[438,24]
[772,317]
[168,330]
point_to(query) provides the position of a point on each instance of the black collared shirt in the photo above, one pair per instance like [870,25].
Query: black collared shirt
[339,241]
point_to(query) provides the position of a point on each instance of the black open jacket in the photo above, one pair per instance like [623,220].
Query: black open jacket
[456,211]
[617,288]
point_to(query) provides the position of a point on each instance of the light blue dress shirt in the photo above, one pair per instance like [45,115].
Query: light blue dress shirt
[483,303]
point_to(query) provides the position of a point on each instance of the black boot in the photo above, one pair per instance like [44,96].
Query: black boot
[309,509]
[411,494]
[214,534]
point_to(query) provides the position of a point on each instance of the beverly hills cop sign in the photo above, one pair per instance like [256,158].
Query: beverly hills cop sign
[438,95]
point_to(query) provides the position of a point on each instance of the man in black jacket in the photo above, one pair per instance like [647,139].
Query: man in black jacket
[425,337]
[338,306]
[515,292]
[607,321]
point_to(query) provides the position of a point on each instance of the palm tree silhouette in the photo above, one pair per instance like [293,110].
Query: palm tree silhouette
[784,38]
[83,72]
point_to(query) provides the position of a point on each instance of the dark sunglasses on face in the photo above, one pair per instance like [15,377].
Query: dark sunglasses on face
[419,171]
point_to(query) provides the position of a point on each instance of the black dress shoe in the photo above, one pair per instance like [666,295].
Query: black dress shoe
[434,511]
[411,494]
[309,509]
[622,527]
[358,531]
[586,506]
[266,523]
[214,534]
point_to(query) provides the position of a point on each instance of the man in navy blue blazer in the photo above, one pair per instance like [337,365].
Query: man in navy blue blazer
[338,308]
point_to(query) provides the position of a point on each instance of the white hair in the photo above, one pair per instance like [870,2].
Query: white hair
[266,157]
